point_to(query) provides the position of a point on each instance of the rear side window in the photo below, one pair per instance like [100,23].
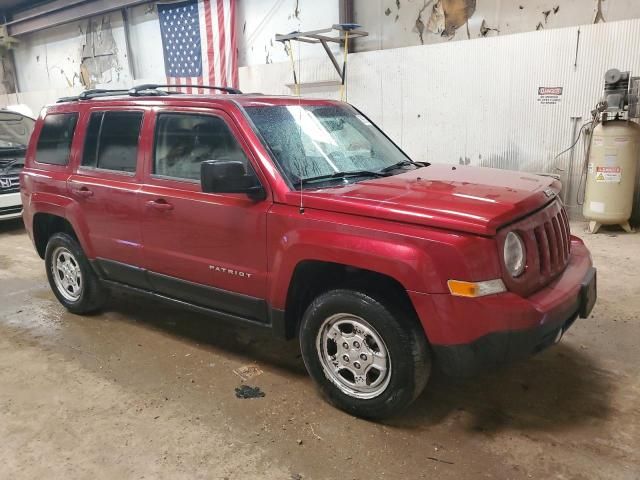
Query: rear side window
[54,143]
[111,141]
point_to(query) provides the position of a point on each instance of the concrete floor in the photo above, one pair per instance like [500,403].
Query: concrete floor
[146,391]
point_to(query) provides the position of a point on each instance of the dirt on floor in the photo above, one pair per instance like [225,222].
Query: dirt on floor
[147,391]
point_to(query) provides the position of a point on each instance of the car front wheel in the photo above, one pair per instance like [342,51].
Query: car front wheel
[368,358]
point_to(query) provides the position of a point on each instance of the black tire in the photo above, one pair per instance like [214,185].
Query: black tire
[402,338]
[91,294]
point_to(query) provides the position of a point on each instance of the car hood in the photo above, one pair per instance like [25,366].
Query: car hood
[15,129]
[470,199]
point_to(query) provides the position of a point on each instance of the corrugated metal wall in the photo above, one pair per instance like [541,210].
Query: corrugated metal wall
[477,101]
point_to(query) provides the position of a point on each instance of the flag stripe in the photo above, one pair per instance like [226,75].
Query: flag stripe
[222,41]
[234,45]
[210,52]
[215,40]
[204,79]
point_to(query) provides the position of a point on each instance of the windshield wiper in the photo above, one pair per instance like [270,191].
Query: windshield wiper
[403,163]
[331,176]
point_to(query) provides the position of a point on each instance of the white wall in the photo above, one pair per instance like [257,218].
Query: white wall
[260,20]
[49,63]
[146,44]
[476,102]
[53,58]
[397,23]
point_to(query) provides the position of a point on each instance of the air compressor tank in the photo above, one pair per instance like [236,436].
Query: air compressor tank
[611,174]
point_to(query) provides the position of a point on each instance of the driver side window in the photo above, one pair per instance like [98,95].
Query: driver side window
[184,140]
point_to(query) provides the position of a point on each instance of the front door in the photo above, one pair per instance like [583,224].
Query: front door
[207,249]
[105,185]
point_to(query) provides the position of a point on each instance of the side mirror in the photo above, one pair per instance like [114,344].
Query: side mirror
[228,176]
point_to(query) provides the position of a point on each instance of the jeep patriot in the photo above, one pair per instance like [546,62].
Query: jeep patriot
[303,217]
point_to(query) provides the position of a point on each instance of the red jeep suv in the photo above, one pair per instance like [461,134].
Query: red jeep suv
[302,216]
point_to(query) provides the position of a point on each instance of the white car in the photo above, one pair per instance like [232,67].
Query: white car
[15,130]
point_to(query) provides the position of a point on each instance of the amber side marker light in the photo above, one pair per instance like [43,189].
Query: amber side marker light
[476,289]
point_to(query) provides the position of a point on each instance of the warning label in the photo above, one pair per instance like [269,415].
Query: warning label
[608,174]
[549,95]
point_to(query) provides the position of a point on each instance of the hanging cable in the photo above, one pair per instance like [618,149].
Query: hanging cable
[572,145]
[582,184]
[343,86]
[596,115]
[301,209]
[293,67]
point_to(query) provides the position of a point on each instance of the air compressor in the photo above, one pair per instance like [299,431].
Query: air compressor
[613,155]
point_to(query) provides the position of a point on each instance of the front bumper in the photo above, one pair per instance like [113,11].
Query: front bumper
[10,206]
[469,335]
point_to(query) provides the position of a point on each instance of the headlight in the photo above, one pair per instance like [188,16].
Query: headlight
[514,254]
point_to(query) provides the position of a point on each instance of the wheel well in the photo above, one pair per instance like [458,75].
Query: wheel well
[312,278]
[45,225]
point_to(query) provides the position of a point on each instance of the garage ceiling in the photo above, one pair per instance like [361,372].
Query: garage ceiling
[8,6]
[56,12]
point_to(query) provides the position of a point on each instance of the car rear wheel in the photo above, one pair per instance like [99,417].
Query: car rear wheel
[71,277]
[368,358]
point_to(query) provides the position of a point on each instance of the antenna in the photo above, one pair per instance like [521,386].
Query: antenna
[299,116]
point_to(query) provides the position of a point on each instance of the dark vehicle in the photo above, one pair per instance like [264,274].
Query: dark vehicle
[15,130]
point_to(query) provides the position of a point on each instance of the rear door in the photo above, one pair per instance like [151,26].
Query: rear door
[207,249]
[106,185]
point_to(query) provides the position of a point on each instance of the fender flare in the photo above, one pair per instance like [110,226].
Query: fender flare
[66,208]
[411,267]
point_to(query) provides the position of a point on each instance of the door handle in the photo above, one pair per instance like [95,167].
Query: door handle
[83,192]
[160,204]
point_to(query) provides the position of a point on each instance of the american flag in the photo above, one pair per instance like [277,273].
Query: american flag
[199,43]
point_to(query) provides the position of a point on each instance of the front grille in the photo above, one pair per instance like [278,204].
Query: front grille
[547,239]
[554,245]
[10,210]
[9,184]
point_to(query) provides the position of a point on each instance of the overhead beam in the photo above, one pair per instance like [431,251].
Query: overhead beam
[60,12]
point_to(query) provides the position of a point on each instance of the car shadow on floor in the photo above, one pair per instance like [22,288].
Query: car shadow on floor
[255,344]
[557,388]
[12,227]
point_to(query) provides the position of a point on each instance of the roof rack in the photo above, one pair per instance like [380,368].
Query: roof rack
[93,93]
[147,89]
[152,86]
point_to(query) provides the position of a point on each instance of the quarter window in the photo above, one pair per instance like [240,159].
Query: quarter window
[184,141]
[54,143]
[112,141]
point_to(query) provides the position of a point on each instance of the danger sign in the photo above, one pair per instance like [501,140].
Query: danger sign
[549,90]
[608,174]
[549,95]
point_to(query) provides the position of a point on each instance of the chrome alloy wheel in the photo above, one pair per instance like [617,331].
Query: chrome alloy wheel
[66,274]
[353,356]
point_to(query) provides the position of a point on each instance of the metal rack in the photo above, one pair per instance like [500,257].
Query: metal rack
[345,31]
[147,89]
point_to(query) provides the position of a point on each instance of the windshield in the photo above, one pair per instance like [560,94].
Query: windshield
[312,141]
[15,130]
